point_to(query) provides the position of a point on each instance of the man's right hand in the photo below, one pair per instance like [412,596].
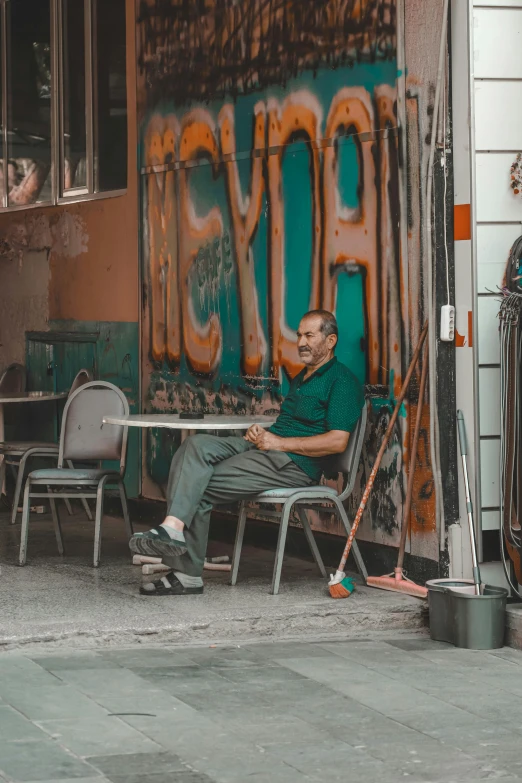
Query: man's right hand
[253,433]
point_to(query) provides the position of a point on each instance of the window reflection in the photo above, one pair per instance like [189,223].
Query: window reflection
[74,120]
[110,95]
[72,143]
[29,101]
[2,173]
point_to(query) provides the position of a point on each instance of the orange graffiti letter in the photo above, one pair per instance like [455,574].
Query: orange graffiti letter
[351,234]
[245,215]
[202,342]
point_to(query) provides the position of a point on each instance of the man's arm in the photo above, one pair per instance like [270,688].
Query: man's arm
[333,442]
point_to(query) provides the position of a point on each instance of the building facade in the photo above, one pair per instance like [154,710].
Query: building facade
[280,157]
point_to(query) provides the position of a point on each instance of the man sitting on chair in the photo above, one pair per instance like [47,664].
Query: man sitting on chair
[322,407]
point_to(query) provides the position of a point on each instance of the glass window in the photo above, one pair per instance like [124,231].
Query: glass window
[63,100]
[3,171]
[74,155]
[110,94]
[29,101]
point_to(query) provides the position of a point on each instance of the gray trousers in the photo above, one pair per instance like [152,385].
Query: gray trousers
[207,471]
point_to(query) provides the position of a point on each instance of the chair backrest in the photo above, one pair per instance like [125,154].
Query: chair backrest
[13,379]
[83,377]
[347,463]
[84,436]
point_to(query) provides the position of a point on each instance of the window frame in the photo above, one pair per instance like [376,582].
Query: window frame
[59,195]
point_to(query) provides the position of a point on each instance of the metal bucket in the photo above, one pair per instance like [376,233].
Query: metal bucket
[458,616]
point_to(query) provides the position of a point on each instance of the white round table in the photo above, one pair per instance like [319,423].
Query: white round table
[172,421]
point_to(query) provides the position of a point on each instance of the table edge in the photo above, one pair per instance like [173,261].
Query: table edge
[50,398]
[186,424]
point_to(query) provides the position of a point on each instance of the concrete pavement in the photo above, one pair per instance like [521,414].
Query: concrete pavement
[395,709]
[65,601]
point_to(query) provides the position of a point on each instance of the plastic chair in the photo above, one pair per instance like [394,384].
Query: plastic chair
[16,454]
[84,438]
[13,379]
[308,498]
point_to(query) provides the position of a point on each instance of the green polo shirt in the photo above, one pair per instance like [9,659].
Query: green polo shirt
[330,399]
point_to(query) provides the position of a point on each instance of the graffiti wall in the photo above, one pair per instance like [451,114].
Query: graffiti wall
[270,186]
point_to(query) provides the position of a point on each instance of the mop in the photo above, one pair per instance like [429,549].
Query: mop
[398,581]
[341,586]
[469,506]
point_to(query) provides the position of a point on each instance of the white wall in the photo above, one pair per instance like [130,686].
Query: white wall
[460,557]
[487,122]
[497,93]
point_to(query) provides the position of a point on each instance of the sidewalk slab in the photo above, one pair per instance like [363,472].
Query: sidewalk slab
[298,712]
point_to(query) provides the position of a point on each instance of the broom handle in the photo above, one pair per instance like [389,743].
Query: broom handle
[384,444]
[413,459]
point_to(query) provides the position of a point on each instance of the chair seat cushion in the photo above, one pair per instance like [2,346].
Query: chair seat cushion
[313,492]
[55,475]
[19,447]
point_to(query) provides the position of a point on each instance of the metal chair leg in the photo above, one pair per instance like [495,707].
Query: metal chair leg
[280,549]
[236,557]
[68,506]
[98,521]
[84,502]
[359,562]
[56,521]
[13,468]
[311,541]
[2,473]
[18,490]
[22,558]
[125,507]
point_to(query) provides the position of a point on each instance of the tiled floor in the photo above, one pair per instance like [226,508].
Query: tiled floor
[359,711]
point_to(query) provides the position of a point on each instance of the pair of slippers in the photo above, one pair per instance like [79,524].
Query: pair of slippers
[158,543]
[169,584]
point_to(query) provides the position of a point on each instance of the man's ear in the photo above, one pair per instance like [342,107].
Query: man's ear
[332,341]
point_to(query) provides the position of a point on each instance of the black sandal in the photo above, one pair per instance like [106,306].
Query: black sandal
[156,543]
[169,584]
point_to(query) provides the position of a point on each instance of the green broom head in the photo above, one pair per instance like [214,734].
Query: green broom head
[341,586]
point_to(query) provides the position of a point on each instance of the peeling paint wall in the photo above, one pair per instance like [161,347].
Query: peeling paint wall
[28,240]
[24,302]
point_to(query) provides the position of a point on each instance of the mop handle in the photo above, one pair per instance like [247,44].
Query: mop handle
[413,460]
[463,440]
[382,450]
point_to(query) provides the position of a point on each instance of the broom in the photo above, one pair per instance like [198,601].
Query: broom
[398,581]
[341,586]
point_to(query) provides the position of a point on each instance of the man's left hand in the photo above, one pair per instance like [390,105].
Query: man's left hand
[267,441]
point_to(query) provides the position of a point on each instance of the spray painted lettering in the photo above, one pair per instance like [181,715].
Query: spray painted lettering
[188,250]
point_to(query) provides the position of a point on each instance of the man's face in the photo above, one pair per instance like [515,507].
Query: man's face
[312,344]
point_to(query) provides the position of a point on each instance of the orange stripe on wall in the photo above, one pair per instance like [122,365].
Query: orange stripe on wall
[470,329]
[462,221]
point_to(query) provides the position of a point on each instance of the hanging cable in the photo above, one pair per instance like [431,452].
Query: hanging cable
[445,172]
[434,424]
